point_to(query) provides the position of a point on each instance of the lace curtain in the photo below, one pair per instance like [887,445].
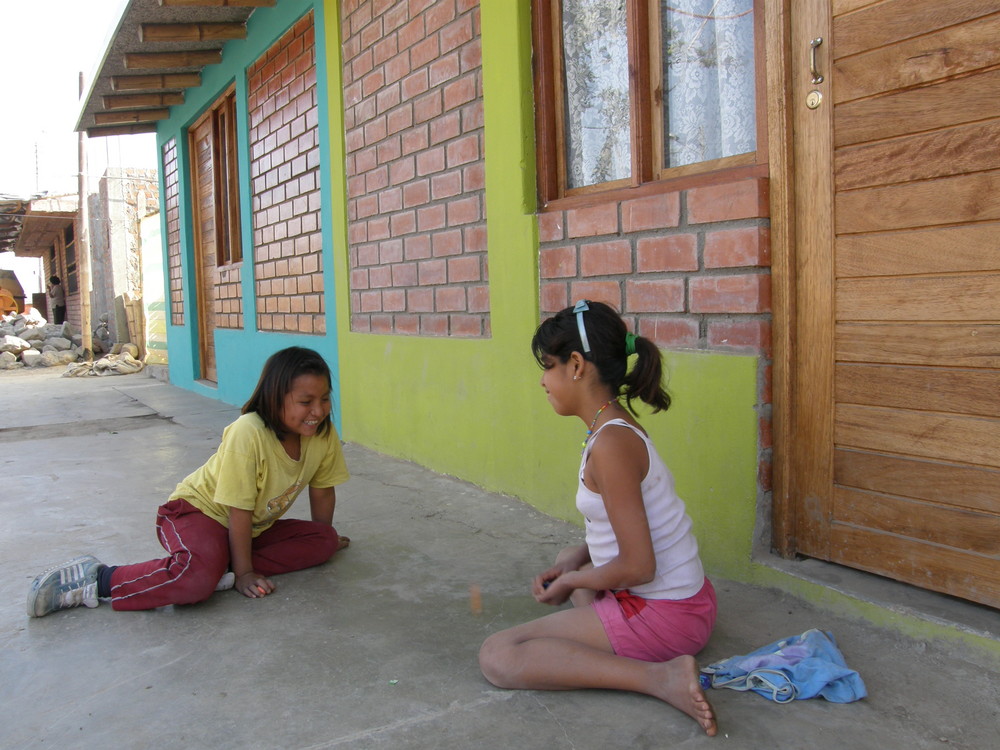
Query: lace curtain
[598,120]
[708,107]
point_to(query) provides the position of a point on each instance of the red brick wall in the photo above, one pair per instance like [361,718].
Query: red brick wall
[415,167]
[285,184]
[171,203]
[688,269]
[228,304]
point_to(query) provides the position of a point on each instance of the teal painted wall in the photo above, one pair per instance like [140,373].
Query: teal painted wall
[240,354]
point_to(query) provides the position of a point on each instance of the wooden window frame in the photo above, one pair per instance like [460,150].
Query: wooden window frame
[69,249]
[230,250]
[645,95]
[225,158]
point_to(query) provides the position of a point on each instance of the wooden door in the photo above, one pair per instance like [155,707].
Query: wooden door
[203,200]
[895,431]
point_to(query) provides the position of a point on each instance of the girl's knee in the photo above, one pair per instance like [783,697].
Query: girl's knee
[197,590]
[198,582]
[495,659]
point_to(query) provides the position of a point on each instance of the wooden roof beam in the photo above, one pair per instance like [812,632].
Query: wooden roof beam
[191,32]
[132,101]
[185,59]
[218,3]
[156,82]
[130,116]
[133,129]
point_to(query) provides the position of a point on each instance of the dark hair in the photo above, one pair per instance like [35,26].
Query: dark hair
[280,371]
[559,337]
[54,280]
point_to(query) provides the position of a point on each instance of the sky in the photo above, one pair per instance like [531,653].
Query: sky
[44,46]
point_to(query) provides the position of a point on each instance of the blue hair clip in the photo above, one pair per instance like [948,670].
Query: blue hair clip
[579,309]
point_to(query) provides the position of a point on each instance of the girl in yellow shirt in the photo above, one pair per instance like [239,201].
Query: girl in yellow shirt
[222,526]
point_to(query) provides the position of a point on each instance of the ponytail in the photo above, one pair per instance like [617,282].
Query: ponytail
[645,380]
[608,345]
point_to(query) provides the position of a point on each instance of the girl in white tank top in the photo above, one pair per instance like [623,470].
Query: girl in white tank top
[642,606]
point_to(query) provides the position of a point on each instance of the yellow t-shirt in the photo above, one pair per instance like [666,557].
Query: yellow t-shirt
[251,470]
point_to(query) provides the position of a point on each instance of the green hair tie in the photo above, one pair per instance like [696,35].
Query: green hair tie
[630,343]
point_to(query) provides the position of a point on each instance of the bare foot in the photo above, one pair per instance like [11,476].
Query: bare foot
[678,685]
[344,542]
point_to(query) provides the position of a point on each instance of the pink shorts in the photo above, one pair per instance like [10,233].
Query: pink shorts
[656,629]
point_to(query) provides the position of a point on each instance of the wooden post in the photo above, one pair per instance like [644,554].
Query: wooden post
[83,248]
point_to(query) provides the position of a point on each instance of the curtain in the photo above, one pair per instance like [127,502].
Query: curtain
[595,55]
[708,71]
[708,75]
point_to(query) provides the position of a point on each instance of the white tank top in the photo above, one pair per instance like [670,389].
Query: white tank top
[679,573]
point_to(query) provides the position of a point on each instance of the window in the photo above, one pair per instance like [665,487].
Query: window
[229,249]
[631,91]
[214,164]
[69,246]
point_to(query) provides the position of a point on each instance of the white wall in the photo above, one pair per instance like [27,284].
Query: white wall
[28,271]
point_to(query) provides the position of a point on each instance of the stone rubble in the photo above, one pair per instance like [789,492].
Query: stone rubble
[28,340]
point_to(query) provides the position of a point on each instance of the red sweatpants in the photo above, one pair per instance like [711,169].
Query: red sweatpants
[198,556]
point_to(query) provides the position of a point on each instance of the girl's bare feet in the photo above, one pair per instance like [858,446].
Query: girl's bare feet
[345,542]
[677,684]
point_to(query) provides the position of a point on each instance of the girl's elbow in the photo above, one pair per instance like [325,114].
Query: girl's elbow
[629,568]
[641,572]
[646,570]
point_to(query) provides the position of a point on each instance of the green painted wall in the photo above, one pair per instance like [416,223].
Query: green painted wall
[474,408]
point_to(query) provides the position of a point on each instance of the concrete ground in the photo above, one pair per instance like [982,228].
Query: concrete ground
[376,649]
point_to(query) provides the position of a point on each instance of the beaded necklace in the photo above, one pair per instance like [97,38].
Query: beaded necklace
[590,430]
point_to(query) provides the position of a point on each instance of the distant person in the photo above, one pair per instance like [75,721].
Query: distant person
[642,606]
[222,526]
[57,300]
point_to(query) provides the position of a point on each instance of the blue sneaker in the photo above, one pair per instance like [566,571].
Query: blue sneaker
[68,585]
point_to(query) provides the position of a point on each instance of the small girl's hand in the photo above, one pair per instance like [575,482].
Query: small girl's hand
[541,582]
[549,590]
[253,586]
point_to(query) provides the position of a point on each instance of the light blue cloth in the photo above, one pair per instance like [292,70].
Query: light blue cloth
[796,668]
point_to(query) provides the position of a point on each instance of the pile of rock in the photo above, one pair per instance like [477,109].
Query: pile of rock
[28,340]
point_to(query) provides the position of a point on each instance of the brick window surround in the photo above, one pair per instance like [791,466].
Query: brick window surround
[171,204]
[415,167]
[688,268]
[215,212]
[285,184]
